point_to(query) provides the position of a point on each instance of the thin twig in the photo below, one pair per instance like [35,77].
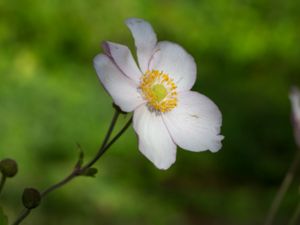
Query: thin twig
[101,149]
[117,135]
[283,189]
[78,171]
[22,216]
[59,184]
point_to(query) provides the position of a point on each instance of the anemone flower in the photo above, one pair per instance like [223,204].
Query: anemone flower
[166,113]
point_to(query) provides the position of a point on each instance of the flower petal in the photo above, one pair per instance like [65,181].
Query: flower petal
[122,57]
[145,40]
[295,101]
[123,90]
[195,123]
[154,139]
[172,59]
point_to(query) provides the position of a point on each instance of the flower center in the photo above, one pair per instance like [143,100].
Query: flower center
[159,90]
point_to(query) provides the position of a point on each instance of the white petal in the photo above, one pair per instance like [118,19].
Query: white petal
[154,139]
[295,100]
[195,123]
[172,59]
[145,40]
[123,90]
[123,58]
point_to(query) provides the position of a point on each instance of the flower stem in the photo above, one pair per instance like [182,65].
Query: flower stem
[283,189]
[79,171]
[59,184]
[22,216]
[295,216]
[118,135]
[2,181]
[102,148]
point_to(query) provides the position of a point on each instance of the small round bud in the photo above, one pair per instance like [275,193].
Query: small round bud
[31,198]
[9,167]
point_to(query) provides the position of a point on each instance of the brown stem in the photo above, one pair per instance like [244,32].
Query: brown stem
[283,189]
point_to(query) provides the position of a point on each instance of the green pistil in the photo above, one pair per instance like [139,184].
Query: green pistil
[159,91]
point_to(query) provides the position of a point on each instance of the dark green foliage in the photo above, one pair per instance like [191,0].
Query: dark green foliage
[3,218]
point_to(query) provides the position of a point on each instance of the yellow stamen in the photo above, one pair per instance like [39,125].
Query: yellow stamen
[159,90]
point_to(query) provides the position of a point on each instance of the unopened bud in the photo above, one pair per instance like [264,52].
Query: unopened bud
[90,172]
[31,198]
[8,167]
[295,101]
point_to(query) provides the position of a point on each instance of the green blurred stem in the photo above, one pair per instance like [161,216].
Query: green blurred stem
[283,189]
[295,216]
[127,125]
[2,181]
[79,171]
[22,216]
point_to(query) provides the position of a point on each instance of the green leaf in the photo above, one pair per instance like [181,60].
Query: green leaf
[3,218]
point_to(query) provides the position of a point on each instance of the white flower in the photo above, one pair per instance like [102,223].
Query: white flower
[166,112]
[295,100]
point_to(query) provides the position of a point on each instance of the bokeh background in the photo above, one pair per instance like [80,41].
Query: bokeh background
[247,53]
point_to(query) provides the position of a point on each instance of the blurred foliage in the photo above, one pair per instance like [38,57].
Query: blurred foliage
[247,53]
[3,218]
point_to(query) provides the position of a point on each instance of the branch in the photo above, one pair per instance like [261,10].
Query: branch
[78,170]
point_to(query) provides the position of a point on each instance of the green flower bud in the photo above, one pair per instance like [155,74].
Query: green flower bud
[8,167]
[31,198]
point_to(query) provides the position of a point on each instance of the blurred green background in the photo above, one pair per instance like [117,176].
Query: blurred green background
[247,53]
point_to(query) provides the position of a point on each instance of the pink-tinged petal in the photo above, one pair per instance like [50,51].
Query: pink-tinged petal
[123,58]
[145,40]
[123,90]
[295,101]
[154,139]
[172,59]
[195,123]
